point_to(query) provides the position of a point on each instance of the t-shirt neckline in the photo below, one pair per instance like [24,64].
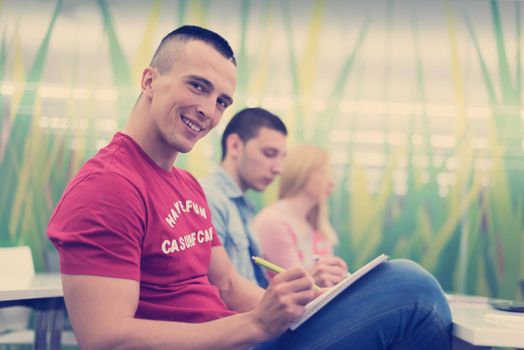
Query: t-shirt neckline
[146,157]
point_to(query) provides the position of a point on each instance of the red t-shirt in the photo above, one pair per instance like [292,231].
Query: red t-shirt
[123,216]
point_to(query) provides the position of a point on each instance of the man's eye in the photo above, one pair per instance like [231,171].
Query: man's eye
[197,86]
[270,154]
[223,103]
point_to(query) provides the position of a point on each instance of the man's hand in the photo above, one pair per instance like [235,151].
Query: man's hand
[284,301]
[329,270]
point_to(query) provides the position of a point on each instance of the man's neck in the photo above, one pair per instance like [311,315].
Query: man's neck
[148,140]
[231,170]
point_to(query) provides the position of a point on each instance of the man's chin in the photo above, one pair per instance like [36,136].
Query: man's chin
[189,145]
[260,188]
[185,148]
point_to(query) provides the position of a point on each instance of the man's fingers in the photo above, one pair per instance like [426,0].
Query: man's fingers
[295,273]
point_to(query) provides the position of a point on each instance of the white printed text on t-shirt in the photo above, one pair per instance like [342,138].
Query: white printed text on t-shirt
[181,207]
[187,241]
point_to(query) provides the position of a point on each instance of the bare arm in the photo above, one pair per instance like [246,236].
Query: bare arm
[238,293]
[102,312]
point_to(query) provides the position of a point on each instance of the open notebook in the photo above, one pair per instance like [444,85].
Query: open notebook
[328,295]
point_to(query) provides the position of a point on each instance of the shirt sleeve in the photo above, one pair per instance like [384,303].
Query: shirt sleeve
[219,220]
[98,227]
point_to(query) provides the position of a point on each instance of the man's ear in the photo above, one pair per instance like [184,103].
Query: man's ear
[234,145]
[148,76]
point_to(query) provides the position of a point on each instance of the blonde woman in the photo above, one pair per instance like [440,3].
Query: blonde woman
[295,230]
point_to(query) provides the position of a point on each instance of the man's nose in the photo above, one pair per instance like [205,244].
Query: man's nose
[207,107]
[277,167]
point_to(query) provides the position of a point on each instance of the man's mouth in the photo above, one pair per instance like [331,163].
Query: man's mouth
[192,125]
[267,181]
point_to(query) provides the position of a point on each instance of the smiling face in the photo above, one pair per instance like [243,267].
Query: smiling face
[189,100]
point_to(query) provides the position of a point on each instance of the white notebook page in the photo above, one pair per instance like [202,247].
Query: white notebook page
[328,295]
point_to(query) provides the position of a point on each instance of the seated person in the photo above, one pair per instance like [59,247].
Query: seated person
[143,268]
[253,150]
[295,230]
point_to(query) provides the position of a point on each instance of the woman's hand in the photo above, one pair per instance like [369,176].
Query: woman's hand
[329,270]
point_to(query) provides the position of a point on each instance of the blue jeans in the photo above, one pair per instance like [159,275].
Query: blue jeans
[398,305]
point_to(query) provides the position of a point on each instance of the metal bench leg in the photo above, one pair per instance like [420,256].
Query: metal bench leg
[57,325]
[41,326]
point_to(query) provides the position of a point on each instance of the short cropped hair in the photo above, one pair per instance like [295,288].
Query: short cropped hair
[165,56]
[248,122]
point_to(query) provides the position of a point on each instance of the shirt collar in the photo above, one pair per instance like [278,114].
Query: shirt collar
[231,189]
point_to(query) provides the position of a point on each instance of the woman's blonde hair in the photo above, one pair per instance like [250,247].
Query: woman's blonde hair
[301,163]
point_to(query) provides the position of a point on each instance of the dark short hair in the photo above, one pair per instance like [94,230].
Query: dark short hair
[248,122]
[164,57]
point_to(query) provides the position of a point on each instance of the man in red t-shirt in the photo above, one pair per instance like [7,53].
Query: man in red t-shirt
[142,267]
[134,233]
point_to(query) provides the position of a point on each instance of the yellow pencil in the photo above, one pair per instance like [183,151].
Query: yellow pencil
[277,269]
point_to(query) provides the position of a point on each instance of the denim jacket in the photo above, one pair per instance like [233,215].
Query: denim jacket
[232,215]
